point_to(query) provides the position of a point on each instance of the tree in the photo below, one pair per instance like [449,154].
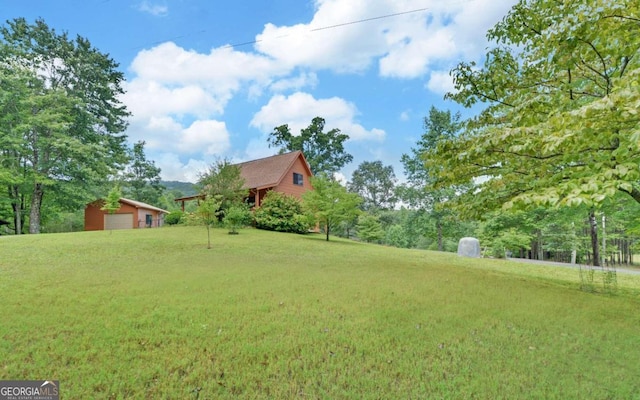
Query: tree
[324,151]
[141,177]
[330,202]
[369,228]
[375,183]
[225,180]
[419,192]
[112,202]
[560,123]
[62,122]
[207,214]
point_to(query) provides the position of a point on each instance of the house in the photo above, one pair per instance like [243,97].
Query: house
[288,173]
[131,215]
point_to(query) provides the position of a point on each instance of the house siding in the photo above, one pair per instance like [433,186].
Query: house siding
[287,186]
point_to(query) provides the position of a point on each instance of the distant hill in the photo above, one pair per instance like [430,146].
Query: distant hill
[186,188]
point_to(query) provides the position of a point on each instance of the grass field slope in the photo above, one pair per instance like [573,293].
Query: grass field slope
[154,314]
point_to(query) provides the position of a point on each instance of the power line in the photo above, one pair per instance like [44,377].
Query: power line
[368,19]
[334,26]
[282,36]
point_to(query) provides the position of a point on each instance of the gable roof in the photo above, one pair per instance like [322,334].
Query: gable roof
[139,204]
[269,171]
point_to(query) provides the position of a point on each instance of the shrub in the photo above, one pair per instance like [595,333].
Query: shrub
[236,217]
[174,217]
[282,213]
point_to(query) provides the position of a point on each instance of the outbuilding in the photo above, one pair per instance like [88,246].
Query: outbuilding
[131,215]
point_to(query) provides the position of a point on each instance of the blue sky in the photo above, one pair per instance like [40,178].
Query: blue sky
[207,80]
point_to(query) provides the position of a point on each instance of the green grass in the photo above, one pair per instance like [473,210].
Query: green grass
[153,314]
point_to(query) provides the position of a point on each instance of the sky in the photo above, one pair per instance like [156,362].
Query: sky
[208,80]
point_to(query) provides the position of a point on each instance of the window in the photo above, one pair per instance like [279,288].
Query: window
[297,179]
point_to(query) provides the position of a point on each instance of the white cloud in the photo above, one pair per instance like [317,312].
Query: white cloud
[406,37]
[156,10]
[174,170]
[440,82]
[303,80]
[299,109]
[210,137]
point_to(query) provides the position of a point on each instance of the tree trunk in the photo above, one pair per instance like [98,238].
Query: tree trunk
[439,228]
[539,247]
[16,205]
[593,224]
[327,229]
[36,205]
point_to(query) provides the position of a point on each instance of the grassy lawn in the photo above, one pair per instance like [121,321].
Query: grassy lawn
[153,314]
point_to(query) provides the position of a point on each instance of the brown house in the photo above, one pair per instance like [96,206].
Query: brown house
[131,215]
[287,173]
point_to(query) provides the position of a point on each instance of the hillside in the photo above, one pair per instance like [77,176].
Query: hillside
[186,188]
[154,314]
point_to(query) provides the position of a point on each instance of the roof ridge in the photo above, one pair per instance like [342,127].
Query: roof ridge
[267,157]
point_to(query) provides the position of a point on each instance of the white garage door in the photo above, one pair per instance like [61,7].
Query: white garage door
[118,221]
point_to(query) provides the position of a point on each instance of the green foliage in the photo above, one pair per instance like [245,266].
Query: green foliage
[376,184]
[561,95]
[174,217]
[224,179]
[419,191]
[369,228]
[61,221]
[112,201]
[236,217]
[141,177]
[396,236]
[508,241]
[330,203]
[324,151]
[61,118]
[207,214]
[282,213]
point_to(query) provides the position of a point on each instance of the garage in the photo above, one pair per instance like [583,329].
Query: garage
[118,221]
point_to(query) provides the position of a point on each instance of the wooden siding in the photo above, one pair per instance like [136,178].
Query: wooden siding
[287,186]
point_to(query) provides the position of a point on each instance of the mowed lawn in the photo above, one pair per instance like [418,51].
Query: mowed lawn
[154,314]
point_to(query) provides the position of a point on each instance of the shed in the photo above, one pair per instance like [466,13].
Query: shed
[131,215]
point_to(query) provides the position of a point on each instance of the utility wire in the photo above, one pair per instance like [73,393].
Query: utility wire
[311,30]
[368,19]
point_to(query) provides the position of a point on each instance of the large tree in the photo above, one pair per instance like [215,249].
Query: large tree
[61,128]
[561,96]
[141,179]
[418,192]
[324,151]
[376,184]
[560,126]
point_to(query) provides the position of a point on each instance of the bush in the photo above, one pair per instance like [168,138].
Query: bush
[282,213]
[236,217]
[174,217]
